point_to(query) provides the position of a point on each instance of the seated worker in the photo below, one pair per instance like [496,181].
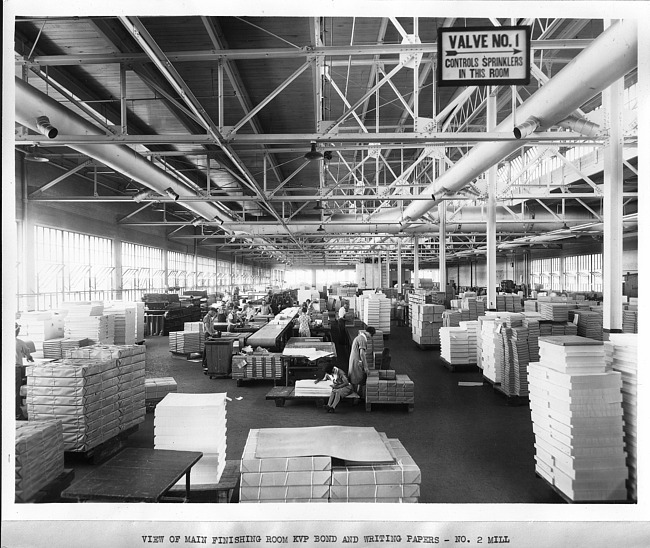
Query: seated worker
[341,387]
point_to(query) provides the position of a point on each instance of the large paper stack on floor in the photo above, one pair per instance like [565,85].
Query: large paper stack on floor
[416,298]
[126,318]
[454,345]
[621,354]
[557,312]
[578,420]
[630,321]
[39,327]
[426,321]
[39,456]
[471,327]
[283,479]
[386,386]
[490,339]
[376,312]
[375,345]
[100,328]
[186,342]
[96,392]
[158,388]
[263,365]
[129,360]
[194,422]
[590,324]
[509,303]
[55,349]
[514,380]
[396,482]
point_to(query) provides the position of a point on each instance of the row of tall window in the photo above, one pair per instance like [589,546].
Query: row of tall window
[576,273]
[70,266]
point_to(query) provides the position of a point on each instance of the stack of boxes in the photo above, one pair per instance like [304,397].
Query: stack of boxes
[375,310]
[458,345]
[621,355]
[386,386]
[398,482]
[95,391]
[419,296]
[257,366]
[426,321]
[578,420]
[283,479]
[39,456]
[156,389]
[194,422]
[186,342]
[375,346]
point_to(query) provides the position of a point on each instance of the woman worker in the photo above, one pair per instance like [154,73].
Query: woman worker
[303,323]
[358,362]
[341,387]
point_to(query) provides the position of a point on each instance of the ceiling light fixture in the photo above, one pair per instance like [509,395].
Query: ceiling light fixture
[320,229]
[318,206]
[172,193]
[313,154]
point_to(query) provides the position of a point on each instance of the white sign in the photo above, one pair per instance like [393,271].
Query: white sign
[483,56]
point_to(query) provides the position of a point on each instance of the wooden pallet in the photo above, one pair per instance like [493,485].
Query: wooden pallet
[427,346]
[105,450]
[568,500]
[459,367]
[410,406]
[52,491]
[490,381]
[280,394]
[226,491]
[512,400]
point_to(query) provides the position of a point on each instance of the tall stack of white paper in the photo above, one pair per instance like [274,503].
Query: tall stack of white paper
[621,355]
[282,479]
[398,482]
[454,345]
[39,456]
[39,327]
[375,311]
[472,339]
[130,361]
[99,329]
[186,342]
[426,321]
[589,324]
[578,420]
[126,317]
[557,312]
[194,422]
[490,339]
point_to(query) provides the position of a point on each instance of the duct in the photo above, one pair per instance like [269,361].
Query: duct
[32,104]
[580,125]
[525,129]
[609,57]
[468,219]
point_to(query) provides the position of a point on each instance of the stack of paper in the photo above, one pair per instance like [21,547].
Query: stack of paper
[530,306]
[621,355]
[472,339]
[71,344]
[490,340]
[375,344]
[589,324]
[194,326]
[126,316]
[426,321]
[52,349]
[454,345]
[265,365]
[557,312]
[158,388]
[39,456]
[307,387]
[129,360]
[194,422]
[39,327]
[508,303]
[578,420]
[630,321]
[283,478]
[532,325]
[517,375]
[186,342]
[99,329]
[387,386]
[396,482]
[82,308]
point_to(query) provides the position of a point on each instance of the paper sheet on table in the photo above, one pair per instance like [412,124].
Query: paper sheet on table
[358,444]
[310,353]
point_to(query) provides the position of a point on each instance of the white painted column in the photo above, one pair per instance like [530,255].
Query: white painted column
[416,263]
[399,265]
[442,245]
[613,209]
[118,270]
[387,268]
[491,211]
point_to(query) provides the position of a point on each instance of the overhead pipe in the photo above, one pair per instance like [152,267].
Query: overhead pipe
[580,125]
[527,128]
[31,104]
[609,57]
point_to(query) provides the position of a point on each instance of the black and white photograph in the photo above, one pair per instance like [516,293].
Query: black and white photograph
[261,258]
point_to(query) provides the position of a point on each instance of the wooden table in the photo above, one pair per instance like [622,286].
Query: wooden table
[280,394]
[291,363]
[135,475]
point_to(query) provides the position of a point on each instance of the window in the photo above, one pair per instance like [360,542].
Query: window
[142,270]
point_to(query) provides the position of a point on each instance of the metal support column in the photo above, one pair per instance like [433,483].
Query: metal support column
[387,268]
[416,262]
[399,265]
[491,211]
[442,245]
[613,209]
[117,271]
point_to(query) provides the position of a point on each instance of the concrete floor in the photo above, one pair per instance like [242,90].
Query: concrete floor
[469,444]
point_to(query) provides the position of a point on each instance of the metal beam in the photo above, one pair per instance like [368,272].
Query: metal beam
[60,178]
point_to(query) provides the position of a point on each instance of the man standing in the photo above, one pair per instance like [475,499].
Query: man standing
[358,362]
[341,322]
[208,320]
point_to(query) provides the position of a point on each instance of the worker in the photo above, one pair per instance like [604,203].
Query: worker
[232,319]
[401,305]
[266,307]
[22,351]
[385,358]
[341,386]
[221,314]
[343,310]
[303,322]
[249,312]
[209,319]
[358,361]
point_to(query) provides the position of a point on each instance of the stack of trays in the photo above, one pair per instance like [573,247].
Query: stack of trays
[99,329]
[387,386]
[578,420]
[257,366]
[82,394]
[129,360]
[39,456]
[398,482]
[283,479]
[307,387]
[454,345]
[630,321]
[194,422]
[157,389]
[186,342]
[589,324]
[557,312]
[621,356]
